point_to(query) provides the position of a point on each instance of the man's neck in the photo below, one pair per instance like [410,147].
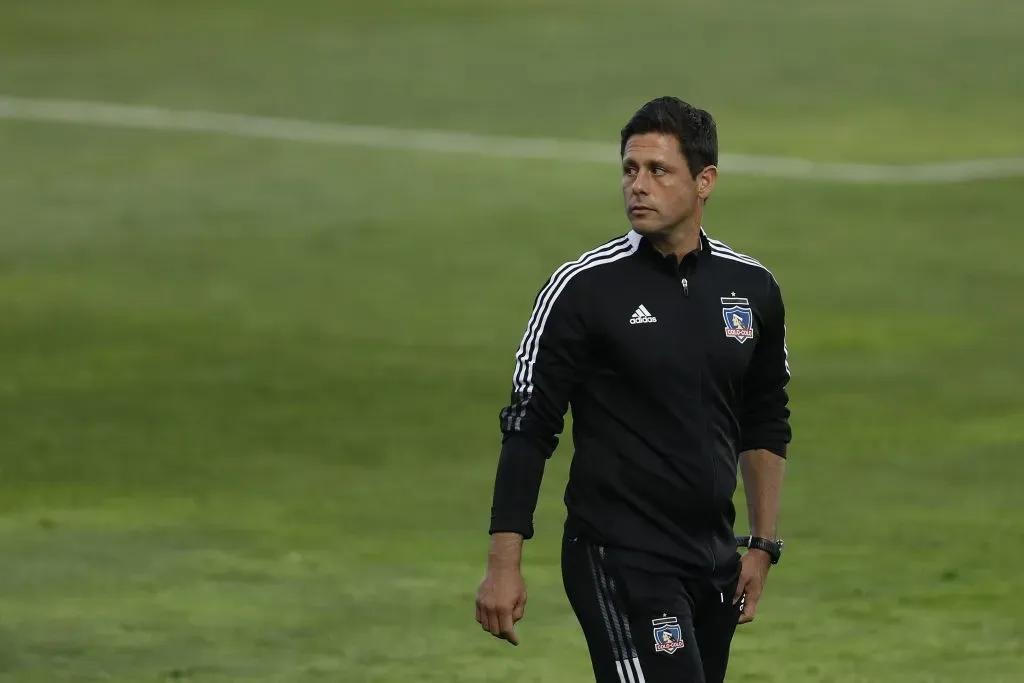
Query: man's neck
[679,241]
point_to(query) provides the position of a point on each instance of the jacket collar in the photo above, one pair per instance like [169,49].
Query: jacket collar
[645,247]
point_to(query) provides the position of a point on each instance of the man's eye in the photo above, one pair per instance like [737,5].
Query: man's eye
[658,170]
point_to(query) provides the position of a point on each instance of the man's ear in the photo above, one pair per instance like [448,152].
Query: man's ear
[706,181]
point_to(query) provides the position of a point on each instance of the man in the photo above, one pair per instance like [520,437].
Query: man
[670,348]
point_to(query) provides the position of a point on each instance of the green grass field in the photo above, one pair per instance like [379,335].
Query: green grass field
[249,388]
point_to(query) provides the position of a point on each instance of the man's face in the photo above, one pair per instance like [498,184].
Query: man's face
[657,187]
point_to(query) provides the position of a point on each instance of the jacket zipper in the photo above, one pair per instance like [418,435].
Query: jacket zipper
[714,470]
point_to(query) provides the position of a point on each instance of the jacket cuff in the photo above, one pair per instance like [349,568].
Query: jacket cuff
[776,447]
[517,485]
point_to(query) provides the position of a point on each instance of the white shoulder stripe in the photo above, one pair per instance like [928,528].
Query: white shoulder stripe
[526,355]
[725,248]
[728,252]
[738,259]
[555,280]
[722,251]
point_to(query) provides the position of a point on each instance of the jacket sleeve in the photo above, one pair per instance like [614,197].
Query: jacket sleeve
[547,369]
[765,423]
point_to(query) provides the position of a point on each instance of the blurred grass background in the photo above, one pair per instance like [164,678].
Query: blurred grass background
[248,407]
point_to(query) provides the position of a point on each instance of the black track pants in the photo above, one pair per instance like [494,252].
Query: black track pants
[642,627]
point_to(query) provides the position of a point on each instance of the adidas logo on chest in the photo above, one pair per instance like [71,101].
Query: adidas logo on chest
[642,316]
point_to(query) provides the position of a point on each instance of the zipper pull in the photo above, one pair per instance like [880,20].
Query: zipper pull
[686,287]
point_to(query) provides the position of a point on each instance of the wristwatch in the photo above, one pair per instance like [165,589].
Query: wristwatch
[773,548]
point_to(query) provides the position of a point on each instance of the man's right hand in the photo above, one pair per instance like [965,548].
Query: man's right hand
[501,598]
[501,602]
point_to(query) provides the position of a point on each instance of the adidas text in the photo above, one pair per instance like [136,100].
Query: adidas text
[642,315]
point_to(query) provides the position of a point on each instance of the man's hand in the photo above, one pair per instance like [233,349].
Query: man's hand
[501,598]
[754,566]
[501,602]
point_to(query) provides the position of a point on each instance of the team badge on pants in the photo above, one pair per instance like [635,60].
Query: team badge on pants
[668,637]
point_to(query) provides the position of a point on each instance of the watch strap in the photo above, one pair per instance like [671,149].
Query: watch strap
[773,548]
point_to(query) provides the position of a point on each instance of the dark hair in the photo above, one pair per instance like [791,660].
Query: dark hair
[694,128]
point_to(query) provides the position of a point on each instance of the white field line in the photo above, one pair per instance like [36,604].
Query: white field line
[158,118]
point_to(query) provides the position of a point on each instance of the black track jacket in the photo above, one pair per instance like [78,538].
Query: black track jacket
[671,369]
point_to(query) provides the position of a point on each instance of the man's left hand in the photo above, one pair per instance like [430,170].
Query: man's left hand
[754,566]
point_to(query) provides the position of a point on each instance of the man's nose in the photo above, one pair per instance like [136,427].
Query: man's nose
[639,184]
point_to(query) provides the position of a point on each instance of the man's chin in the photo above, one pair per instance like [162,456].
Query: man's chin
[648,228]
